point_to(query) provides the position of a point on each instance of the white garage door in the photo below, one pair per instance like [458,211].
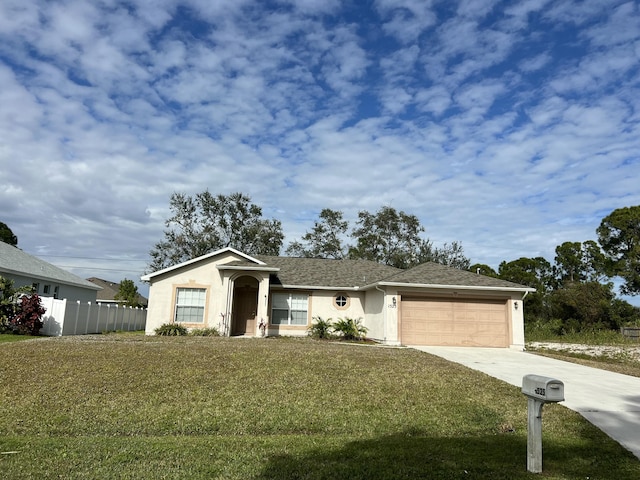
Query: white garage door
[435,321]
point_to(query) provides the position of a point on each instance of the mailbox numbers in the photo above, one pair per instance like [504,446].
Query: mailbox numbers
[541,391]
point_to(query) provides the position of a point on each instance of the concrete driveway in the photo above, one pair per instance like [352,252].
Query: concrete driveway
[610,401]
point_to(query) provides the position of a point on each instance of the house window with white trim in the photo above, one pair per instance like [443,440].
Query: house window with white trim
[190,305]
[289,308]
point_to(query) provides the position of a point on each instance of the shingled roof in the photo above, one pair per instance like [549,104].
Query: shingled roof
[15,261]
[319,272]
[110,289]
[322,272]
[430,273]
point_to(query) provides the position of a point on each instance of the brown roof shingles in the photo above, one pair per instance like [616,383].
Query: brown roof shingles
[320,272]
[430,273]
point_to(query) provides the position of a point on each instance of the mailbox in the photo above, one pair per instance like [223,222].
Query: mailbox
[539,391]
[544,389]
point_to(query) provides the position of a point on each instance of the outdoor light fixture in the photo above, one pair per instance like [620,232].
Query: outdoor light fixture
[393,300]
[515,305]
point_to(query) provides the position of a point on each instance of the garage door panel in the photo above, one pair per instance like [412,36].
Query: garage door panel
[463,323]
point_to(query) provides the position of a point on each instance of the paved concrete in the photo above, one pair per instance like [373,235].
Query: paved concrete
[610,401]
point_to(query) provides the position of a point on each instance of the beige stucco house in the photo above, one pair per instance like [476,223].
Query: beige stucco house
[430,304]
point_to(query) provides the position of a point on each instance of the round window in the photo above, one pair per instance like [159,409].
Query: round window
[341,300]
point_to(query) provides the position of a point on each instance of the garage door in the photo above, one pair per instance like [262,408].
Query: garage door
[429,321]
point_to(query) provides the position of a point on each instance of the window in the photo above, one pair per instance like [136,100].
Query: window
[56,291]
[36,287]
[47,289]
[190,305]
[341,301]
[289,309]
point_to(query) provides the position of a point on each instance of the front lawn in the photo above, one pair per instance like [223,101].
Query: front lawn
[10,337]
[123,406]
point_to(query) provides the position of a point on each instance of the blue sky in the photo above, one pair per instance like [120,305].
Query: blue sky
[508,126]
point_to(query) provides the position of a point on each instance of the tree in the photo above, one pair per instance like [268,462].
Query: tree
[389,237]
[450,254]
[579,262]
[482,269]
[584,306]
[532,272]
[205,223]
[127,293]
[324,240]
[7,236]
[619,236]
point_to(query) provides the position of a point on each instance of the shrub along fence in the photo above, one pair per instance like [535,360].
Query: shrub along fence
[64,317]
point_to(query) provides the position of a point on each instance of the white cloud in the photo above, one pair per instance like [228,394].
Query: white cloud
[509,126]
[406,20]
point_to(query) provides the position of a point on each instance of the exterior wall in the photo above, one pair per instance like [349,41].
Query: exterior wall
[70,292]
[321,304]
[325,307]
[516,318]
[382,316]
[219,297]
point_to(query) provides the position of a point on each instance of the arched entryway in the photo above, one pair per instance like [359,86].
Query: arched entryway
[245,306]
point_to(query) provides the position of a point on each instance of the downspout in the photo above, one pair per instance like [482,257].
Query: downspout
[384,312]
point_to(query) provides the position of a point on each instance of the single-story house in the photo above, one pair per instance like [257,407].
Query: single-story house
[46,279]
[110,290]
[245,295]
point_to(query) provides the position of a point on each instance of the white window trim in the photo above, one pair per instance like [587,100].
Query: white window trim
[177,304]
[290,309]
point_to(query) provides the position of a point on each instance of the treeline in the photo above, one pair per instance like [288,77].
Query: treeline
[204,223]
[576,292]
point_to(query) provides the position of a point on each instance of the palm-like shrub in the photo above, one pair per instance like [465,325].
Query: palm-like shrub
[350,329]
[205,332]
[320,328]
[171,330]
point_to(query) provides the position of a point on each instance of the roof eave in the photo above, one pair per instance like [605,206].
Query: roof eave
[149,276]
[316,287]
[247,268]
[452,287]
[50,279]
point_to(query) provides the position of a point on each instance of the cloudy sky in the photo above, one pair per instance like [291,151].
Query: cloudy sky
[510,126]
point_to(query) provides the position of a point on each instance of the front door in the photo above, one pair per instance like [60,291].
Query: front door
[245,304]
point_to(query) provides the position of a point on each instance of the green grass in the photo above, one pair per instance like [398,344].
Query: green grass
[544,332]
[10,337]
[125,406]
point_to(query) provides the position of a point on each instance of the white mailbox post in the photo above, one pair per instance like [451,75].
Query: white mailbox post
[539,390]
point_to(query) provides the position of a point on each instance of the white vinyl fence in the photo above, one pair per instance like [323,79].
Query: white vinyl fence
[64,317]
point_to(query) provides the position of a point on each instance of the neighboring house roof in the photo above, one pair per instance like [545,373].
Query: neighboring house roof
[297,272]
[15,261]
[109,291]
